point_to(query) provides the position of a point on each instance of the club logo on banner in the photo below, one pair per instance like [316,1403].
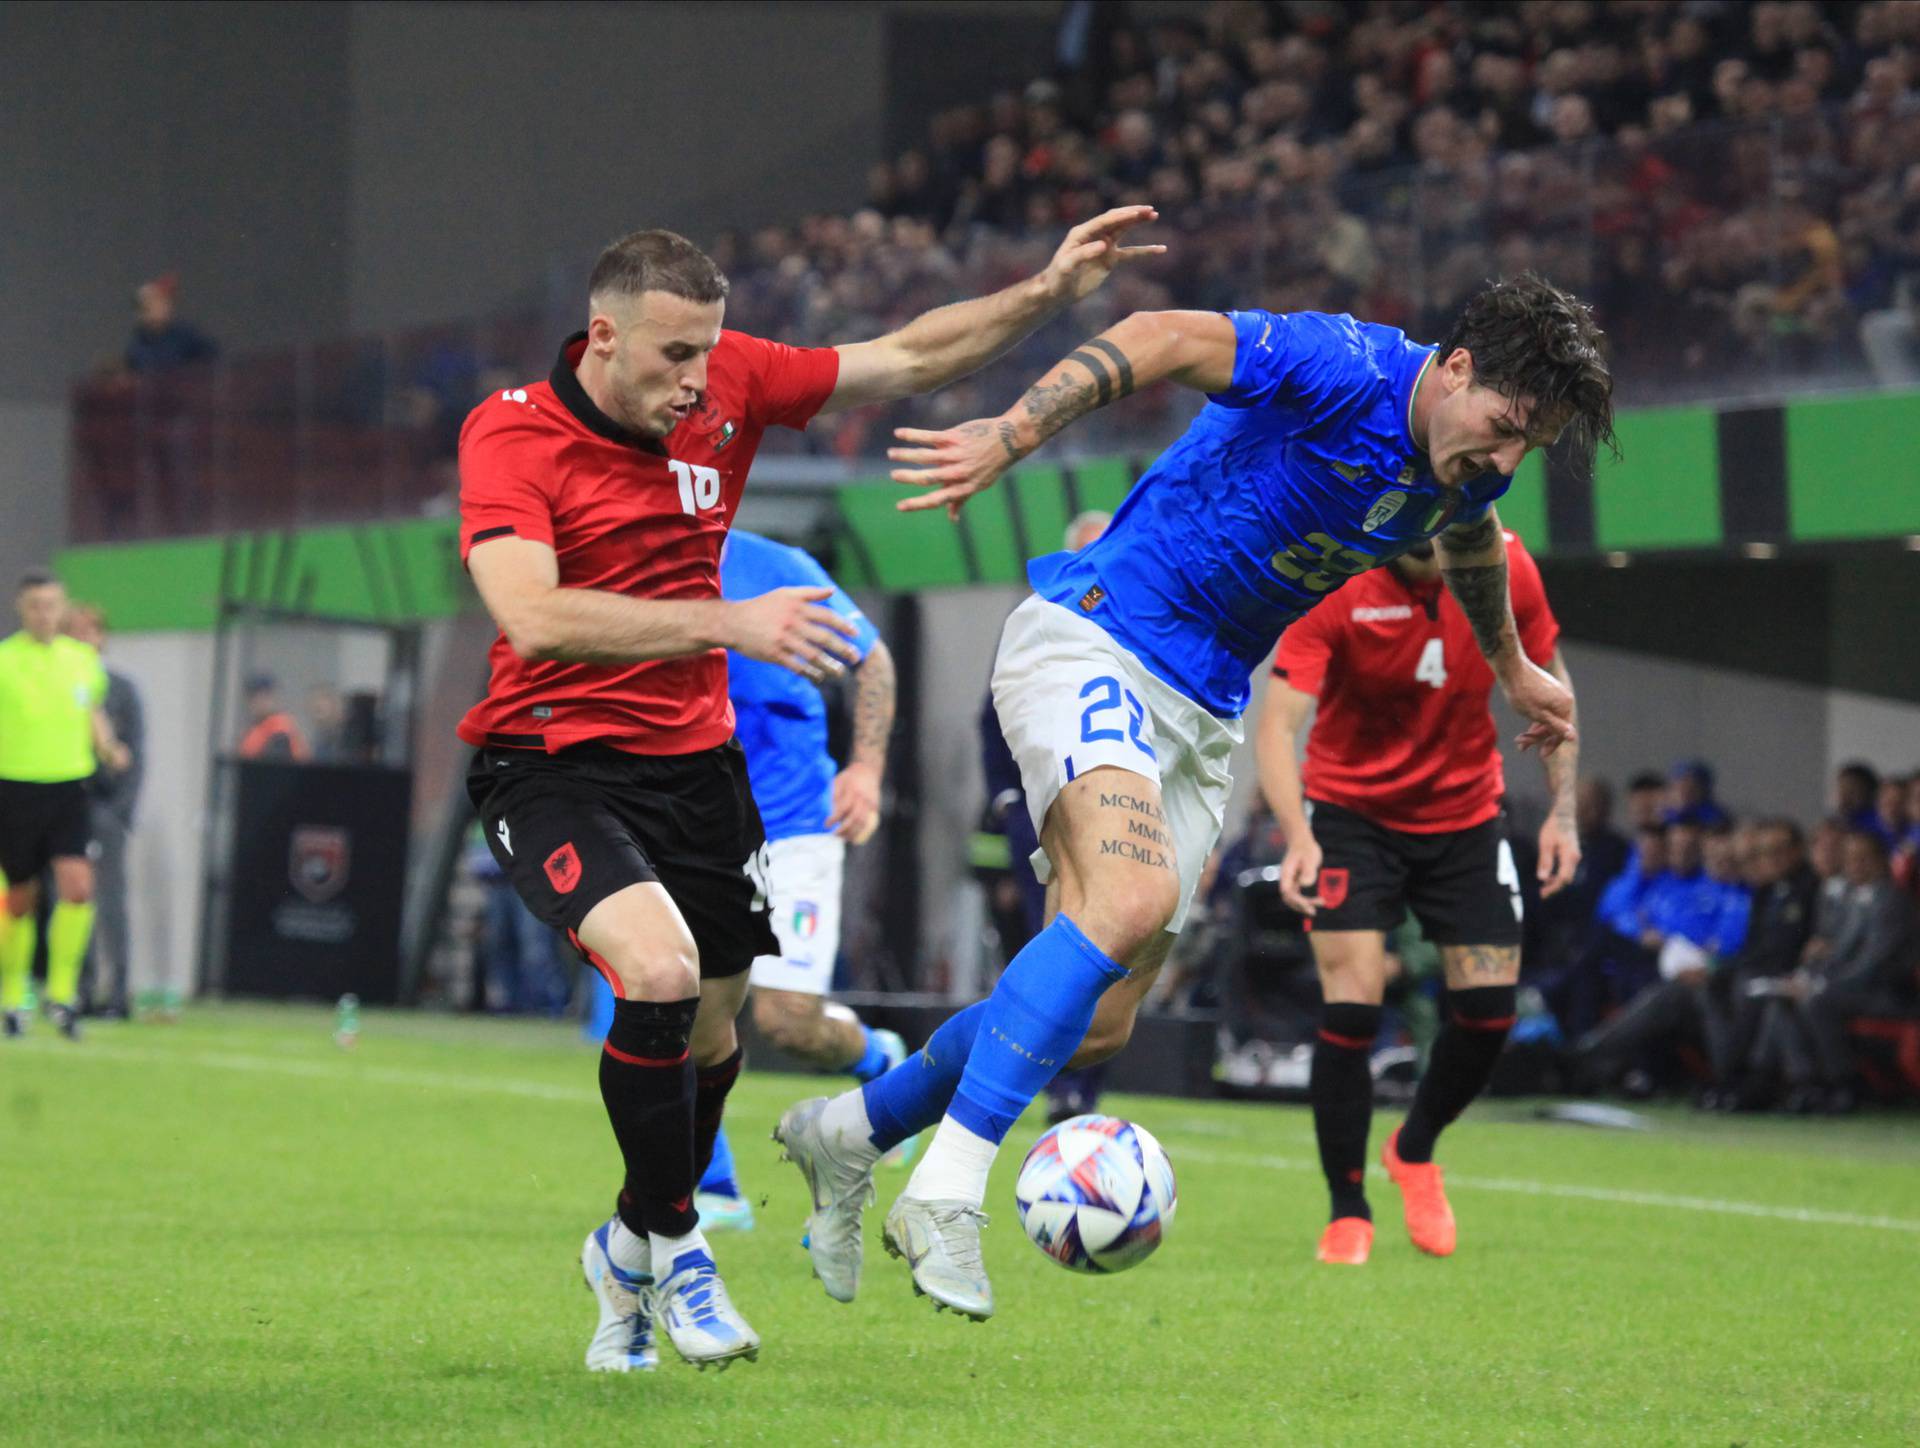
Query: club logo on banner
[318,857]
[806,919]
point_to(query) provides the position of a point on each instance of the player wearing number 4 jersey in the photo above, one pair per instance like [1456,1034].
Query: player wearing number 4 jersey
[1328,446]
[593,507]
[1402,789]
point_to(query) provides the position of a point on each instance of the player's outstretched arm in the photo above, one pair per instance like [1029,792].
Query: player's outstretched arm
[1282,714]
[1560,834]
[856,789]
[1194,349]
[1473,560]
[947,343]
[519,581]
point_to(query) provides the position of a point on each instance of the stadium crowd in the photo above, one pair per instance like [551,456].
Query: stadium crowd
[1734,185]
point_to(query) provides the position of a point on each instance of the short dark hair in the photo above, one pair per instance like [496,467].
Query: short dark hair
[36,578]
[1527,337]
[1859,769]
[1780,824]
[1645,779]
[657,261]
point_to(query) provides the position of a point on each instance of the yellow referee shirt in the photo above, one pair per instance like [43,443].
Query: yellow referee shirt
[48,693]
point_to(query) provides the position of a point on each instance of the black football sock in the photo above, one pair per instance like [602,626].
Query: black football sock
[1342,1093]
[1463,1055]
[647,1083]
[711,1085]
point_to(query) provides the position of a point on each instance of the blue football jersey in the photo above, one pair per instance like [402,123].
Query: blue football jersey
[1300,475]
[781,717]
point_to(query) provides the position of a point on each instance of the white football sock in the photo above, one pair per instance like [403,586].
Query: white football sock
[667,1250]
[628,1250]
[845,1125]
[955,1167]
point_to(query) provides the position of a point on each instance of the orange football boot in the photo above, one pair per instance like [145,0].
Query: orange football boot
[1429,1218]
[1347,1241]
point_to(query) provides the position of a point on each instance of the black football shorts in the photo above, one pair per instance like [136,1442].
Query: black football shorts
[570,829]
[40,823]
[1461,885]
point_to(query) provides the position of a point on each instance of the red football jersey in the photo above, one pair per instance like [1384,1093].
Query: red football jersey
[1404,734]
[625,514]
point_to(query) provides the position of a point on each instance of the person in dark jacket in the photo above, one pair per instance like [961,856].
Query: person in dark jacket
[1785,891]
[112,796]
[1860,962]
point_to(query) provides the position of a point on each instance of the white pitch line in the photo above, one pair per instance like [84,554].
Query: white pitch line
[1593,1194]
[352,1071]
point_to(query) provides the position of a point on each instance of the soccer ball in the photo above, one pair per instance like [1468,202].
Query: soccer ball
[1095,1194]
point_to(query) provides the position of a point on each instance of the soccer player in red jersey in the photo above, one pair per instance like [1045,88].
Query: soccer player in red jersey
[1402,809]
[592,511]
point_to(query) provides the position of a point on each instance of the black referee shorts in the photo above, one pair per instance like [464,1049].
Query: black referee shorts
[572,828]
[40,823]
[1461,885]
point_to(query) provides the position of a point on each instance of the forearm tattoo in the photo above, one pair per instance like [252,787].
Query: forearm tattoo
[1482,594]
[1060,398]
[873,693]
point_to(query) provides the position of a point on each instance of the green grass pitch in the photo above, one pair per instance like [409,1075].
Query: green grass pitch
[230,1231]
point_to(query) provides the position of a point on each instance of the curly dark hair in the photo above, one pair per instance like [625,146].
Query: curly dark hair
[1528,338]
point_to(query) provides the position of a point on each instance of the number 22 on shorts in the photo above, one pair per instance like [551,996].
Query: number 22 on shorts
[1106,693]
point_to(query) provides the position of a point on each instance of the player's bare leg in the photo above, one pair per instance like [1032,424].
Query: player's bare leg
[638,939]
[1353,974]
[1106,839]
[1480,1012]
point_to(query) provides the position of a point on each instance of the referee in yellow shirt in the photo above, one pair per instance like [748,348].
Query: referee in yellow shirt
[53,735]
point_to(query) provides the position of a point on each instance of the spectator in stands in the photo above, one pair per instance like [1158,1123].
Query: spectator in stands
[1612,964]
[1646,801]
[1690,798]
[113,794]
[1565,920]
[1861,962]
[1784,890]
[1891,335]
[1906,854]
[1890,811]
[161,342]
[326,724]
[1856,791]
[272,733]
[1692,924]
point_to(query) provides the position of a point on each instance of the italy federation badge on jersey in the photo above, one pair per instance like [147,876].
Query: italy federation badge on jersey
[1387,505]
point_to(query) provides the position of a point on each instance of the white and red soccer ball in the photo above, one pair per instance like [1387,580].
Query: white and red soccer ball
[1096,1194]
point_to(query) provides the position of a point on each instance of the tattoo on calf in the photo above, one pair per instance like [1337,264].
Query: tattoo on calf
[1482,963]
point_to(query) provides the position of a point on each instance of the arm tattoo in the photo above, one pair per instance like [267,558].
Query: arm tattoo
[1482,594]
[1123,368]
[1058,399]
[1467,537]
[873,696]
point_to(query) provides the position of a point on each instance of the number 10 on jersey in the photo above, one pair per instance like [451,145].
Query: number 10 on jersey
[699,487]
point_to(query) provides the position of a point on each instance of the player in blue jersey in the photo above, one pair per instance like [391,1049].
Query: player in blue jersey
[811,813]
[1328,446]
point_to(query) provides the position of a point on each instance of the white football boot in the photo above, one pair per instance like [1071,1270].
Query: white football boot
[623,1342]
[699,1318]
[941,1243]
[841,1191]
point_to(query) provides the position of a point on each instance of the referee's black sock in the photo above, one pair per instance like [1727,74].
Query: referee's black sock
[1342,1093]
[647,1083]
[710,1087]
[1463,1055]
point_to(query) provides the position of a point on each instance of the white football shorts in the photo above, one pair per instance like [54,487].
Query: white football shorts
[1071,699]
[804,874]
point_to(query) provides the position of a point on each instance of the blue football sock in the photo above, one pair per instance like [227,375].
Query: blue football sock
[719,1178]
[1035,1020]
[873,1062]
[914,1095]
